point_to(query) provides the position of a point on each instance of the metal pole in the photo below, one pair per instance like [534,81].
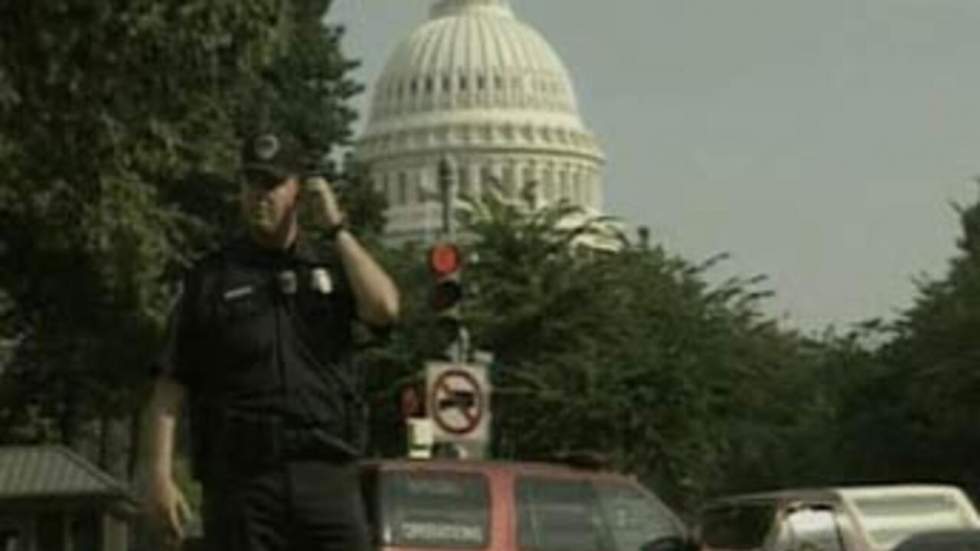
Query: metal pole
[447,181]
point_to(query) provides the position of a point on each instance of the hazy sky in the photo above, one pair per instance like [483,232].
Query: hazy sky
[819,142]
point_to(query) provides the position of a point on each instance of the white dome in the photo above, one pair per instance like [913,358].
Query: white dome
[475,83]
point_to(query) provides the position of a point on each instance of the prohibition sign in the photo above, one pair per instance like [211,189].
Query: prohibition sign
[457,402]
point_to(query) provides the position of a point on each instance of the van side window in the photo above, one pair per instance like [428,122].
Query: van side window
[420,509]
[555,514]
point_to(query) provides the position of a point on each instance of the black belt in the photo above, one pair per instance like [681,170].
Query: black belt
[258,441]
[313,443]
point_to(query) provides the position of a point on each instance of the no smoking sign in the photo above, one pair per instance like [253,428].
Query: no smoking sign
[458,401]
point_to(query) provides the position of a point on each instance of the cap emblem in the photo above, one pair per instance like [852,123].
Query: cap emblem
[266,146]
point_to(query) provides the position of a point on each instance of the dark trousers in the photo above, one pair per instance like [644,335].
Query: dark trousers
[298,506]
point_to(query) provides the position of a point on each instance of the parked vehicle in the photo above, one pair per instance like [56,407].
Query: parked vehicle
[860,518]
[509,506]
[947,540]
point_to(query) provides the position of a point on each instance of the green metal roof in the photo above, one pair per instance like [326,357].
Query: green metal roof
[52,471]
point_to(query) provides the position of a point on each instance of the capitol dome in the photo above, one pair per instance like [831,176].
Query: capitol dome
[475,85]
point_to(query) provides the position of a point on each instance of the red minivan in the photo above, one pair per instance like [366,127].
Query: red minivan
[429,505]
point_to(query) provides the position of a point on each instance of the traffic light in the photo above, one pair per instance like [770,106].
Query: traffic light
[446,262]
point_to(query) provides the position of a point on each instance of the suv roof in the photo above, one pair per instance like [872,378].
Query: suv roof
[832,494]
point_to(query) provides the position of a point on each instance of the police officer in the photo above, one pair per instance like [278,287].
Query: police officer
[259,346]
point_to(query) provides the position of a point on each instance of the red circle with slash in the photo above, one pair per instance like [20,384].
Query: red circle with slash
[457,402]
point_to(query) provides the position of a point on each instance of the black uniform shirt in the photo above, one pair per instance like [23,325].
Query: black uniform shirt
[267,332]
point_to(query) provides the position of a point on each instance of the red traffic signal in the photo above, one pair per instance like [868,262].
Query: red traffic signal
[444,259]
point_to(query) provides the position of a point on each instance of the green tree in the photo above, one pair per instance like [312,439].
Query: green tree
[119,131]
[927,393]
[621,348]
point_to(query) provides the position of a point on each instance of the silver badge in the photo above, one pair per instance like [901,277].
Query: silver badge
[320,281]
[266,146]
[287,282]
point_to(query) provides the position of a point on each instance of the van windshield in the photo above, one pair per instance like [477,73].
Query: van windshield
[420,509]
[558,514]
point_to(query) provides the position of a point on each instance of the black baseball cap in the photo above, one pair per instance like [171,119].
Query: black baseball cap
[271,154]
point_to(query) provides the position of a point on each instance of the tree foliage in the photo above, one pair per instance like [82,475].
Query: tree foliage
[921,406]
[120,123]
[622,349]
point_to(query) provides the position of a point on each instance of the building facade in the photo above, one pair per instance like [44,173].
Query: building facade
[478,87]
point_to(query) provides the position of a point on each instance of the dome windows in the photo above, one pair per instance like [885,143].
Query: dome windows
[493,88]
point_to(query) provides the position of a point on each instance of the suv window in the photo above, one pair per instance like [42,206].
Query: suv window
[812,529]
[635,517]
[420,509]
[556,514]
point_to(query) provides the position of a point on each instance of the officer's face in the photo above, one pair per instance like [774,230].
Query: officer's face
[269,203]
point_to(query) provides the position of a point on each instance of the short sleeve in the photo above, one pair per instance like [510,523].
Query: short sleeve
[177,356]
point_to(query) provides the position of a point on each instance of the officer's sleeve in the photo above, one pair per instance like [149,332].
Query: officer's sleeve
[346,301]
[176,358]
[348,306]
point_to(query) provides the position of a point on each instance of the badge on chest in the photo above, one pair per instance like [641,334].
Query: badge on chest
[289,282]
[320,281]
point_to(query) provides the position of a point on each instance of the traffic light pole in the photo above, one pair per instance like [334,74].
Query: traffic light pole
[447,188]
[459,348]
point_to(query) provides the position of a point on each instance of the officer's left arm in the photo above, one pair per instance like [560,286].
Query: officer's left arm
[374,292]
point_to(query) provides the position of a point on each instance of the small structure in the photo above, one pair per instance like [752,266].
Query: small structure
[52,499]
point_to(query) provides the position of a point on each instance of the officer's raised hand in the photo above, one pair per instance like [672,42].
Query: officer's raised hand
[323,203]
